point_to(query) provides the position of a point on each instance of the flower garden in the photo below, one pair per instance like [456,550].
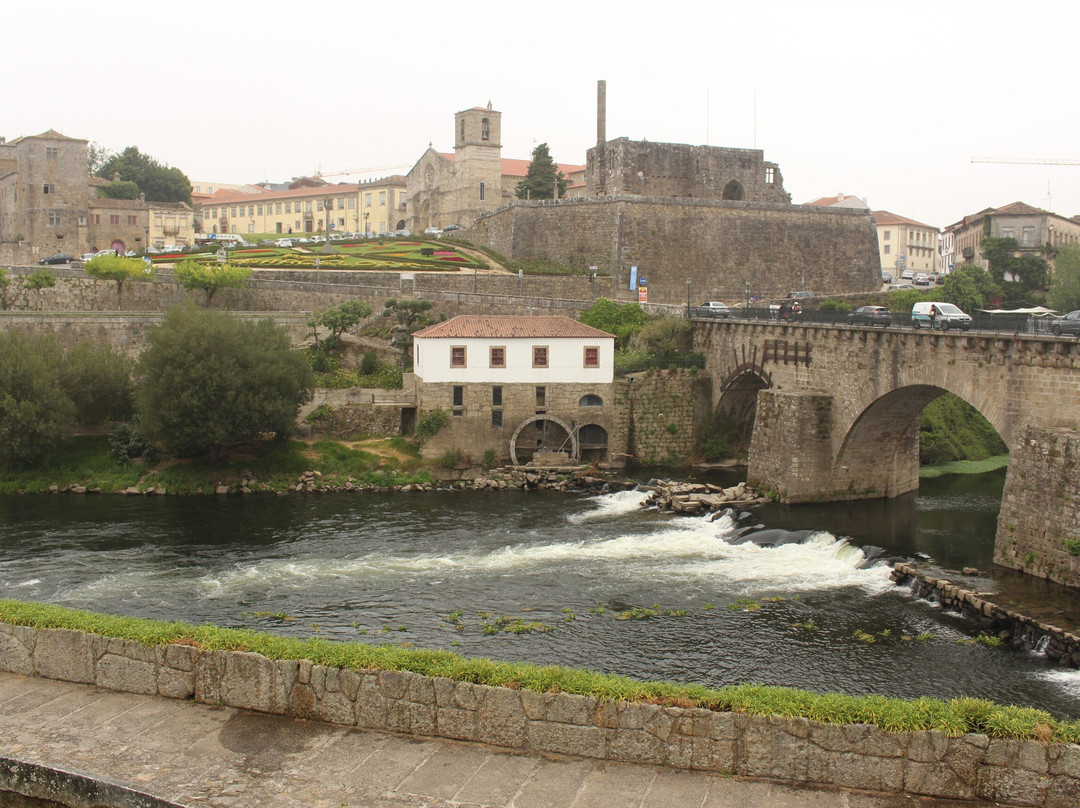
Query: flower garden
[393,255]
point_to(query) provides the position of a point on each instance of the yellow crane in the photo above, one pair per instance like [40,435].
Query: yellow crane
[320,173]
[1025,161]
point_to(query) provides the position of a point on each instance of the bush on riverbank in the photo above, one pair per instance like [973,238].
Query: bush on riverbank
[951,429]
[954,717]
[87,461]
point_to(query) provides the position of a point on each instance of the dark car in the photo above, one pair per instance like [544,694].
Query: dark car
[56,258]
[870,315]
[1069,324]
[450,228]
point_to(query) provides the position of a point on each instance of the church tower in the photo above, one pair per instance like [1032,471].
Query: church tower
[477,158]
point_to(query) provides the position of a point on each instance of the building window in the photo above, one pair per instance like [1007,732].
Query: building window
[458,399]
[382,197]
[54,218]
[498,356]
[496,419]
[288,207]
[496,396]
[1006,232]
[592,357]
[367,200]
[277,209]
[97,218]
[887,236]
[770,175]
[352,203]
[114,218]
[591,401]
[260,210]
[457,356]
[341,204]
[1028,237]
[481,191]
[540,356]
[52,152]
[888,249]
[461,136]
[48,188]
[541,397]
[485,129]
[132,220]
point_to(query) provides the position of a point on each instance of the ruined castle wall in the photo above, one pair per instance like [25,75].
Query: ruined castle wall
[721,248]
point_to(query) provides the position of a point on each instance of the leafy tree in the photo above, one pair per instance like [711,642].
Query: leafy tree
[120,190]
[208,381]
[39,279]
[96,156]
[1064,294]
[1016,276]
[207,277]
[970,287]
[621,319]
[35,412]
[117,268]
[337,320]
[98,381]
[159,182]
[409,317]
[542,177]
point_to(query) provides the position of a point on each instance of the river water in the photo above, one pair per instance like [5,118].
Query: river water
[588,581]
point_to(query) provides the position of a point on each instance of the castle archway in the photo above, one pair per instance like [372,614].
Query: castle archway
[543,433]
[733,191]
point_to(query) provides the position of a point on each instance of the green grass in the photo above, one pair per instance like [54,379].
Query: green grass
[953,717]
[965,467]
[81,460]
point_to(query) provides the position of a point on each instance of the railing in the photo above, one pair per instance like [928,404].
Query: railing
[1015,324]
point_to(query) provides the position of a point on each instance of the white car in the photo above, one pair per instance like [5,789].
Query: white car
[432,231]
[907,274]
[283,242]
[404,233]
[922,279]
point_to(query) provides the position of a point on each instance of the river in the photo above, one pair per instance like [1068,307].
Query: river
[584,581]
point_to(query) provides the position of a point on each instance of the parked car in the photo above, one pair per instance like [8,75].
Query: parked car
[714,308]
[800,295]
[283,242]
[452,227]
[403,233]
[922,279]
[1069,324]
[886,277]
[899,287]
[56,258]
[939,315]
[432,231]
[907,275]
[870,315]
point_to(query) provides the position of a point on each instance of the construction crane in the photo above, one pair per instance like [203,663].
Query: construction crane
[320,173]
[1025,161]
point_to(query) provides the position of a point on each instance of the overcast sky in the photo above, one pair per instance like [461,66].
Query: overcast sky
[886,101]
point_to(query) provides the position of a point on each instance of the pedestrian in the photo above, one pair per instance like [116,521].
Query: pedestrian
[933,315]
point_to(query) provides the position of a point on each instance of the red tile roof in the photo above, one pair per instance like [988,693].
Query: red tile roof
[512,327]
[884,217]
[513,167]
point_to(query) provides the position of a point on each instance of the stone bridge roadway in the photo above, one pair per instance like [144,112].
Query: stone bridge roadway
[835,416]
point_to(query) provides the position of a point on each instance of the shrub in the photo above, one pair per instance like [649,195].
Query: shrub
[832,304]
[716,441]
[429,424]
[320,413]
[369,364]
[127,443]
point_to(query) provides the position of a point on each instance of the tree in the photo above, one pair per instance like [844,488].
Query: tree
[542,177]
[117,268]
[409,317]
[621,319]
[159,182]
[96,156]
[97,379]
[35,412]
[1016,276]
[1064,294]
[208,380]
[338,320]
[120,190]
[970,287]
[208,277]
[5,287]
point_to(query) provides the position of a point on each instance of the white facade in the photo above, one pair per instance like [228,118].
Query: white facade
[568,360]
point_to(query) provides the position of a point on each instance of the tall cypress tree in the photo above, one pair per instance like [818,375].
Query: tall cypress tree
[542,178]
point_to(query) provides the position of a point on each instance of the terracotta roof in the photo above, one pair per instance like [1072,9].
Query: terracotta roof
[512,327]
[1022,209]
[513,167]
[884,217]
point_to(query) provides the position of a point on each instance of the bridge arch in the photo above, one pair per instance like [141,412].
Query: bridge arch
[737,403]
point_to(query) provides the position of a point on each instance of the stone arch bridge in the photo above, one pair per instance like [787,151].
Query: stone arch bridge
[834,413]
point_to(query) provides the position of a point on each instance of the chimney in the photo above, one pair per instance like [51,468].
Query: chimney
[601,112]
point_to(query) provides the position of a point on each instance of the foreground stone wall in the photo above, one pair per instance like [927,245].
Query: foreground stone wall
[1028,773]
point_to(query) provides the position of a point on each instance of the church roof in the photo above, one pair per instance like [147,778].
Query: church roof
[512,327]
[513,167]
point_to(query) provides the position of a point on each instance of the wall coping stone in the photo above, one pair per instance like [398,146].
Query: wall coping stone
[774,748]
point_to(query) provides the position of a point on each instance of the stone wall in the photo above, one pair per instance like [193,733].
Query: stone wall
[719,247]
[664,412]
[1039,524]
[790,750]
[791,453]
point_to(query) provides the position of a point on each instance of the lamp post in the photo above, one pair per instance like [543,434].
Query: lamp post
[747,297]
[366,214]
[687,298]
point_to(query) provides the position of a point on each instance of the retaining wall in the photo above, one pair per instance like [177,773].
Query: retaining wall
[794,750]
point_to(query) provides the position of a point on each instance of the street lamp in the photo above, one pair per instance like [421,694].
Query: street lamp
[366,214]
[687,298]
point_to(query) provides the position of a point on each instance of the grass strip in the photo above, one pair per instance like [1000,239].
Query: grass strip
[953,717]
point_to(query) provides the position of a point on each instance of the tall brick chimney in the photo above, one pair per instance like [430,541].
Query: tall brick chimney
[601,112]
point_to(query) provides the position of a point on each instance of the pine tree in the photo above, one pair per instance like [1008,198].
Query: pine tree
[542,178]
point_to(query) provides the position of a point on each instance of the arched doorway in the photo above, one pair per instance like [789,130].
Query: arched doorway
[543,433]
[733,191]
[737,407]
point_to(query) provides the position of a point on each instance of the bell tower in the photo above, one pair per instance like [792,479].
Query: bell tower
[477,158]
